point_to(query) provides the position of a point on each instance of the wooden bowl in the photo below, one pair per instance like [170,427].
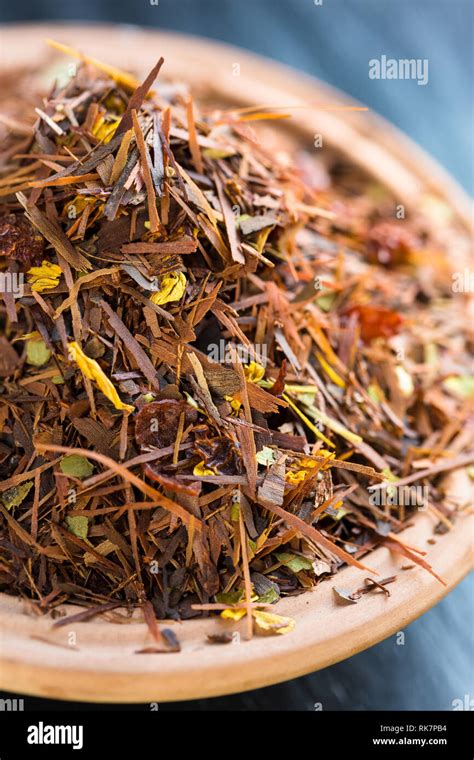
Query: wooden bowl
[98,661]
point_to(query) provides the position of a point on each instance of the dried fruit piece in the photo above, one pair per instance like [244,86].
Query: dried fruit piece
[156,425]
[19,240]
[219,454]
[376,321]
[390,243]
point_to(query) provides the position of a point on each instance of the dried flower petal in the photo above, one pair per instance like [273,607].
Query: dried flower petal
[201,470]
[254,372]
[268,623]
[44,277]
[172,287]
[91,369]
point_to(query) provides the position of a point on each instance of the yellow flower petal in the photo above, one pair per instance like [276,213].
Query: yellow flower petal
[268,622]
[172,288]
[92,370]
[305,464]
[295,477]
[308,463]
[234,402]
[254,372]
[233,614]
[308,422]
[319,453]
[79,203]
[105,130]
[45,277]
[201,470]
[337,380]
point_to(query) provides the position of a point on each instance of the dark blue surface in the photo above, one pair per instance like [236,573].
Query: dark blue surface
[335,41]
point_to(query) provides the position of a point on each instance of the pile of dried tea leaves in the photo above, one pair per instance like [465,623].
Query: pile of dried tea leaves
[219,368]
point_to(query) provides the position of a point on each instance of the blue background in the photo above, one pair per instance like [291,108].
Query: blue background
[335,42]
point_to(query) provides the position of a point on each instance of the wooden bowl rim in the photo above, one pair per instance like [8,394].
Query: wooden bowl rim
[38,660]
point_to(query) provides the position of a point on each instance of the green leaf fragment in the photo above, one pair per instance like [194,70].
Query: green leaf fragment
[231,597]
[325,301]
[266,456]
[336,514]
[235,512]
[388,474]
[269,597]
[294,562]
[76,466]
[308,399]
[14,496]
[461,386]
[37,352]
[78,526]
